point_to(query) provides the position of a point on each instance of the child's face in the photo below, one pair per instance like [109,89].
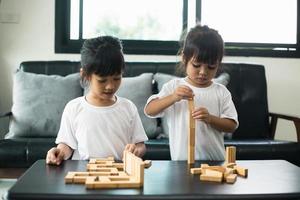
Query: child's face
[103,88]
[200,74]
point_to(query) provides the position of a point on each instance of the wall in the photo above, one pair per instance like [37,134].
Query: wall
[32,38]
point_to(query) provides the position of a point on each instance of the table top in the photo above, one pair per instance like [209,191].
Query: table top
[267,179]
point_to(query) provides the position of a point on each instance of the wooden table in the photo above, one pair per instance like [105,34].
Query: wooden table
[269,179]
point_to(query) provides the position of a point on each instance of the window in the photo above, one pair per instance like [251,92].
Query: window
[248,27]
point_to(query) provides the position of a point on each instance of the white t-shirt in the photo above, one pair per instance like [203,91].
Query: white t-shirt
[209,144]
[99,132]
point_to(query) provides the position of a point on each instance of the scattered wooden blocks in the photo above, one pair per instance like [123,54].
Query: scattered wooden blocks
[219,173]
[228,172]
[105,173]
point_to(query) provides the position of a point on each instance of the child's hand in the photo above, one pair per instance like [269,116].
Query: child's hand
[133,149]
[202,114]
[183,92]
[54,156]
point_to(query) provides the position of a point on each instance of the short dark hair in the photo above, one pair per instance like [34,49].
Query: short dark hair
[102,56]
[204,44]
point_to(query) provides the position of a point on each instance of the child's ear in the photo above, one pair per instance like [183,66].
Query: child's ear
[183,58]
[81,72]
[83,75]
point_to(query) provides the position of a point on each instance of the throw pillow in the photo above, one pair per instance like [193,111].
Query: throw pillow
[38,103]
[161,79]
[138,89]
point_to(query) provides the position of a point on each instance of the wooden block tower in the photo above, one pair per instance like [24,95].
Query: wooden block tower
[191,135]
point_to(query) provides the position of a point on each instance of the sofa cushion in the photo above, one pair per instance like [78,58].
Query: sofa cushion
[161,79]
[38,103]
[138,89]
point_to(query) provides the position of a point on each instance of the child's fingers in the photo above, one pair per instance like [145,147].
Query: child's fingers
[202,115]
[136,152]
[54,156]
[130,147]
[51,159]
[185,93]
[59,158]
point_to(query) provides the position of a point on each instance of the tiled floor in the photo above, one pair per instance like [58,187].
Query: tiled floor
[5,184]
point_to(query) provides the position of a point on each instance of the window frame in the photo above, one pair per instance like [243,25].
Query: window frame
[154,47]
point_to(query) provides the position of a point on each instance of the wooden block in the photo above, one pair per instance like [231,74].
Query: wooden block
[230,154]
[215,168]
[134,166]
[191,135]
[191,109]
[191,154]
[101,160]
[69,177]
[211,175]
[241,171]
[196,170]
[96,168]
[118,165]
[140,174]
[147,163]
[129,166]
[230,165]
[229,171]
[80,177]
[204,165]
[231,178]
[111,182]
[89,183]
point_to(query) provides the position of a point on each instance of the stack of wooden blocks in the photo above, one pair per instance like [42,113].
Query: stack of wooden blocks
[106,173]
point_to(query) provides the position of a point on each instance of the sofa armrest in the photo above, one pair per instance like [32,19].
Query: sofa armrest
[274,119]
[7,114]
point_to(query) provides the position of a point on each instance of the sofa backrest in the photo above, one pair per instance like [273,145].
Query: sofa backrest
[64,68]
[247,85]
[248,88]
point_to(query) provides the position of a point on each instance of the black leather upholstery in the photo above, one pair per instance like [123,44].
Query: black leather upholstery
[249,91]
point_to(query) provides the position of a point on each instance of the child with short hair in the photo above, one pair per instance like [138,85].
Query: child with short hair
[214,112]
[99,124]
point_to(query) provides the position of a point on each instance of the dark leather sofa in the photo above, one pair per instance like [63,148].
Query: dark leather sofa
[254,138]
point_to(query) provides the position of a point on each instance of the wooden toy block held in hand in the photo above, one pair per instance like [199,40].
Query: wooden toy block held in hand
[107,174]
[191,135]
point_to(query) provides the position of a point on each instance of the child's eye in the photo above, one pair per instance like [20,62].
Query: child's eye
[102,80]
[117,78]
[212,66]
[196,65]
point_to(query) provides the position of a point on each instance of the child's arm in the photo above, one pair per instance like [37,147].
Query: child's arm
[221,124]
[138,149]
[158,105]
[57,154]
